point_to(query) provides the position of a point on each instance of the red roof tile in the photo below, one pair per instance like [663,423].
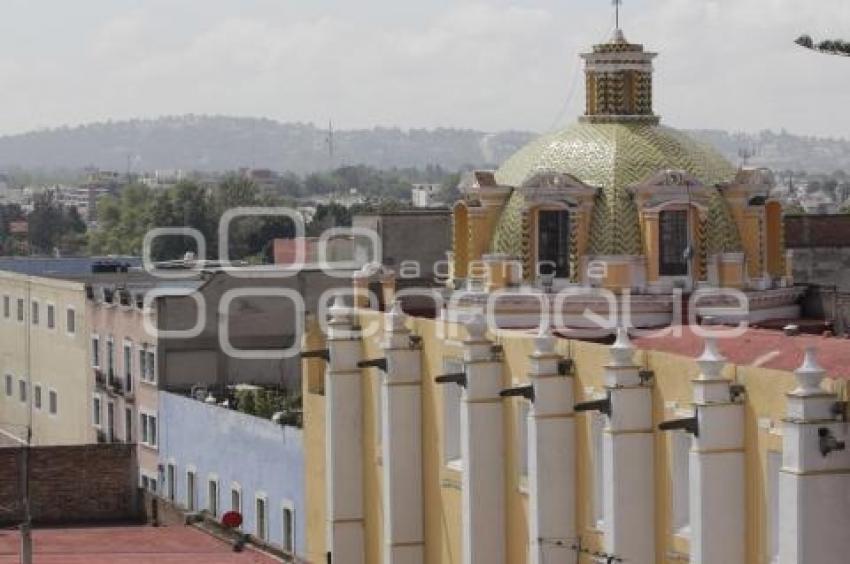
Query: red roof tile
[126,545]
[760,347]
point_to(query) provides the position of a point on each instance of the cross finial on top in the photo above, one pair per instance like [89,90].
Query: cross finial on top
[617,4]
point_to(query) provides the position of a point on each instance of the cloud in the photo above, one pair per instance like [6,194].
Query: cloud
[490,65]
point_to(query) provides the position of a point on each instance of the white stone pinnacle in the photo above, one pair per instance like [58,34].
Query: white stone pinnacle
[396,318]
[476,326]
[622,351]
[711,362]
[544,343]
[809,375]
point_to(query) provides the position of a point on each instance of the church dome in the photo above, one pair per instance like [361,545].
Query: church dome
[613,156]
[616,144]
[609,156]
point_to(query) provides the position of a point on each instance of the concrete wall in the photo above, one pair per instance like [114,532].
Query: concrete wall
[255,323]
[824,302]
[69,484]
[58,360]
[826,266]
[423,236]
[258,455]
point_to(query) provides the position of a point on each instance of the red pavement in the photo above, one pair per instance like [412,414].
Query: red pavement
[761,347]
[126,545]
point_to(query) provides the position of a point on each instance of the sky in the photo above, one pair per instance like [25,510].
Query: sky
[490,65]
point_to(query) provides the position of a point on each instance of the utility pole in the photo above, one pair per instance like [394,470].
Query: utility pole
[26,525]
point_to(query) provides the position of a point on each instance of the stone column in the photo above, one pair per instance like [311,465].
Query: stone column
[552,463]
[402,444]
[344,440]
[628,473]
[482,450]
[814,511]
[717,477]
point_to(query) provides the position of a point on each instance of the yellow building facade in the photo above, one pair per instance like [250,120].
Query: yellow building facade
[44,359]
[441,344]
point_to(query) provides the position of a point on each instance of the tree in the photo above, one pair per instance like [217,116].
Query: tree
[829,46]
[53,227]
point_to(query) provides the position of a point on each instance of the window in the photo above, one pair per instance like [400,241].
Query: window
[452,395]
[22,390]
[147,364]
[151,365]
[7,307]
[149,483]
[110,359]
[236,499]
[51,316]
[142,365]
[597,427]
[71,321]
[147,426]
[128,425]
[36,396]
[553,242]
[95,351]
[190,490]
[680,447]
[212,496]
[52,402]
[20,309]
[34,316]
[262,518]
[128,366]
[523,411]
[96,411]
[774,465]
[673,243]
[172,483]
[110,421]
[9,385]
[288,543]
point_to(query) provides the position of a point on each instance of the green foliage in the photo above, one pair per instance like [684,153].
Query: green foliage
[54,227]
[267,403]
[124,221]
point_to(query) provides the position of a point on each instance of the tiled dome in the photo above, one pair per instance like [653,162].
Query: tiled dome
[610,156]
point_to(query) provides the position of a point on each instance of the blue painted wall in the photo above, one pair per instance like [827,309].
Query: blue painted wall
[259,455]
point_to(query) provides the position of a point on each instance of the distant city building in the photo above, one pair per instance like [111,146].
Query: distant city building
[424,195]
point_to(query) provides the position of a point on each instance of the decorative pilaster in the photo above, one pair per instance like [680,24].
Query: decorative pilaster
[402,444]
[551,451]
[482,449]
[717,477]
[814,515]
[344,441]
[628,482]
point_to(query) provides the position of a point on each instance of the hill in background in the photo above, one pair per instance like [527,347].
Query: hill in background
[210,143]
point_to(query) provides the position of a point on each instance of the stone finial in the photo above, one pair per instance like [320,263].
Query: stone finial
[809,375]
[395,318]
[622,351]
[711,362]
[476,326]
[339,311]
[544,342]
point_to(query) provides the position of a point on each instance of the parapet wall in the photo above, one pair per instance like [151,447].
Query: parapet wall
[71,484]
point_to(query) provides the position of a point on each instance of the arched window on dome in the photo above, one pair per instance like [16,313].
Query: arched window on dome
[553,242]
[673,242]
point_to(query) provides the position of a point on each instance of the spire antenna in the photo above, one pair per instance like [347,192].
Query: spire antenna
[617,4]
